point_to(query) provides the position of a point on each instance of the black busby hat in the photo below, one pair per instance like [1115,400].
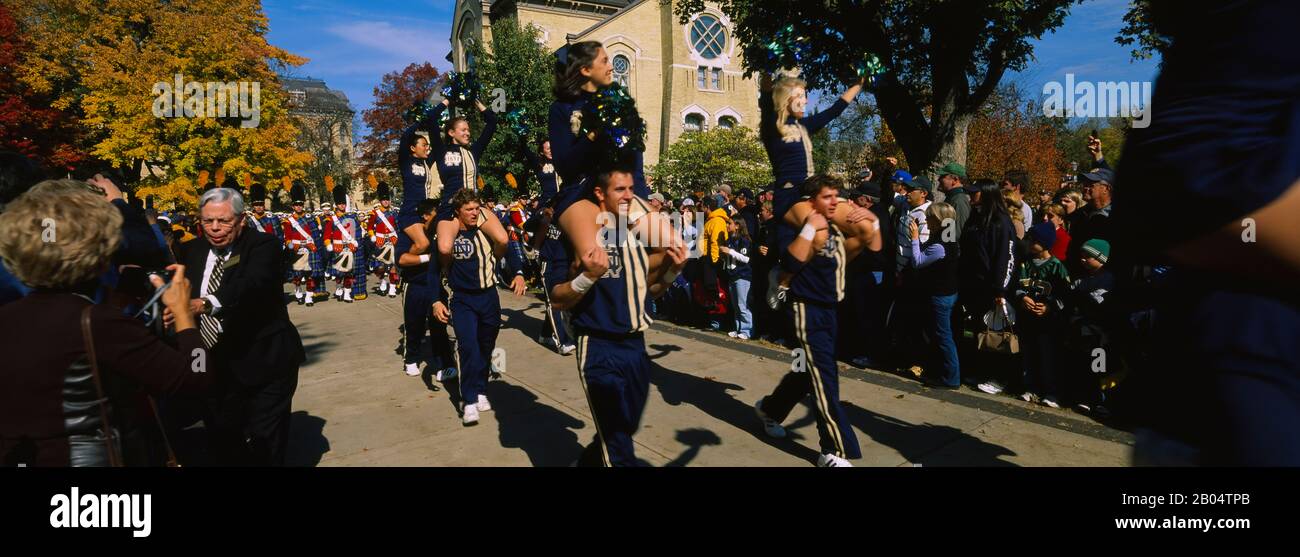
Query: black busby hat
[340,196]
[382,192]
[297,193]
[257,193]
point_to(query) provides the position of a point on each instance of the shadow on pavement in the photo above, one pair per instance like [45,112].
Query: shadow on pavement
[695,439]
[927,444]
[307,442]
[546,434]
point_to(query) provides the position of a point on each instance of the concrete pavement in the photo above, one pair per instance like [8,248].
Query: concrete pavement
[355,406]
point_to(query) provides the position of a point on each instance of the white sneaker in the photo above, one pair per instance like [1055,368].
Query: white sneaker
[732,334]
[392,291]
[446,374]
[383,287]
[1029,397]
[297,295]
[470,417]
[832,461]
[742,336]
[1050,402]
[413,370]
[567,349]
[990,387]
[771,427]
[309,299]
[483,405]
[347,296]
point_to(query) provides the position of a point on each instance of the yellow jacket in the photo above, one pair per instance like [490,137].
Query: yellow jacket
[715,233]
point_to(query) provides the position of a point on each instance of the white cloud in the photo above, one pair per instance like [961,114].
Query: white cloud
[429,43]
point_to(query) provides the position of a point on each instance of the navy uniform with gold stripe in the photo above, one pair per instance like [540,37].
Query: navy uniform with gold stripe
[610,321]
[815,290]
[475,309]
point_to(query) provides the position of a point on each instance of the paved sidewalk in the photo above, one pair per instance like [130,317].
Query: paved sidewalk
[355,406]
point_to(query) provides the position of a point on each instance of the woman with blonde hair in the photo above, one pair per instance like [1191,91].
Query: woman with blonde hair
[786,131]
[67,356]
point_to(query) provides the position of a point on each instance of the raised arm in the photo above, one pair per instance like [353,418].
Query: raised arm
[489,129]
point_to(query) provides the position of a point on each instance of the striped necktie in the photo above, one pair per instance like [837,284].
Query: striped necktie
[209,328]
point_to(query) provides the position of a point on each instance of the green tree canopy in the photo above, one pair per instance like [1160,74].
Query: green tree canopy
[520,66]
[700,161]
[943,58]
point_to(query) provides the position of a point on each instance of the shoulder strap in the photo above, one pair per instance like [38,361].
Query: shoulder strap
[113,458]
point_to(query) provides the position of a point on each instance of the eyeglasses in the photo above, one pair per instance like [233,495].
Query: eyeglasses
[219,223]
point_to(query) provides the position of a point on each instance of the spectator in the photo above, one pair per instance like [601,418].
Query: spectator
[737,252]
[935,267]
[17,174]
[1041,281]
[1055,214]
[1016,211]
[1072,200]
[52,409]
[747,212]
[898,183]
[988,254]
[871,281]
[1017,182]
[714,237]
[917,201]
[952,180]
[656,201]
[1095,222]
[1086,301]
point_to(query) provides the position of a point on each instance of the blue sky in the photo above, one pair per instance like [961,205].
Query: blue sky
[353,43]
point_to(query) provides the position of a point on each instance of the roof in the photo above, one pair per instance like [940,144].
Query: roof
[626,7]
[320,98]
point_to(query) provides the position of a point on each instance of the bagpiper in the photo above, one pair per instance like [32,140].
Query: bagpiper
[300,232]
[382,231]
[342,239]
[258,219]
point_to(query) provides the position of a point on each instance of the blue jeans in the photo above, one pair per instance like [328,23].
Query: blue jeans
[740,295]
[941,336]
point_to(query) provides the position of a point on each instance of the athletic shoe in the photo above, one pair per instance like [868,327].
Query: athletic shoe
[733,334]
[742,336]
[483,405]
[413,370]
[392,291]
[832,461]
[470,416]
[771,427]
[446,374]
[1050,402]
[347,296]
[991,387]
[1029,397]
[567,349]
[546,340]
[309,300]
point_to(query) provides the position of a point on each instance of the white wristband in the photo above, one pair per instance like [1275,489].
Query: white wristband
[808,232]
[424,258]
[581,284]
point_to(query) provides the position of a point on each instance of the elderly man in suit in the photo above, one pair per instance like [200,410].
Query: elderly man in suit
[235,277]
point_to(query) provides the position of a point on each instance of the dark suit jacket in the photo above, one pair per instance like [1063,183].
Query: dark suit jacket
[259,342]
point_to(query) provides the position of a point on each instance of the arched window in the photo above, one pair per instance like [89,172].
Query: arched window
[694,122]
[622,70]
[727,122]
[708,36]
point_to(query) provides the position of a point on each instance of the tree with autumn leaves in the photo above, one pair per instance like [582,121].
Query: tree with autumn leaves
[28,125]
[396,93]
[98,62]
